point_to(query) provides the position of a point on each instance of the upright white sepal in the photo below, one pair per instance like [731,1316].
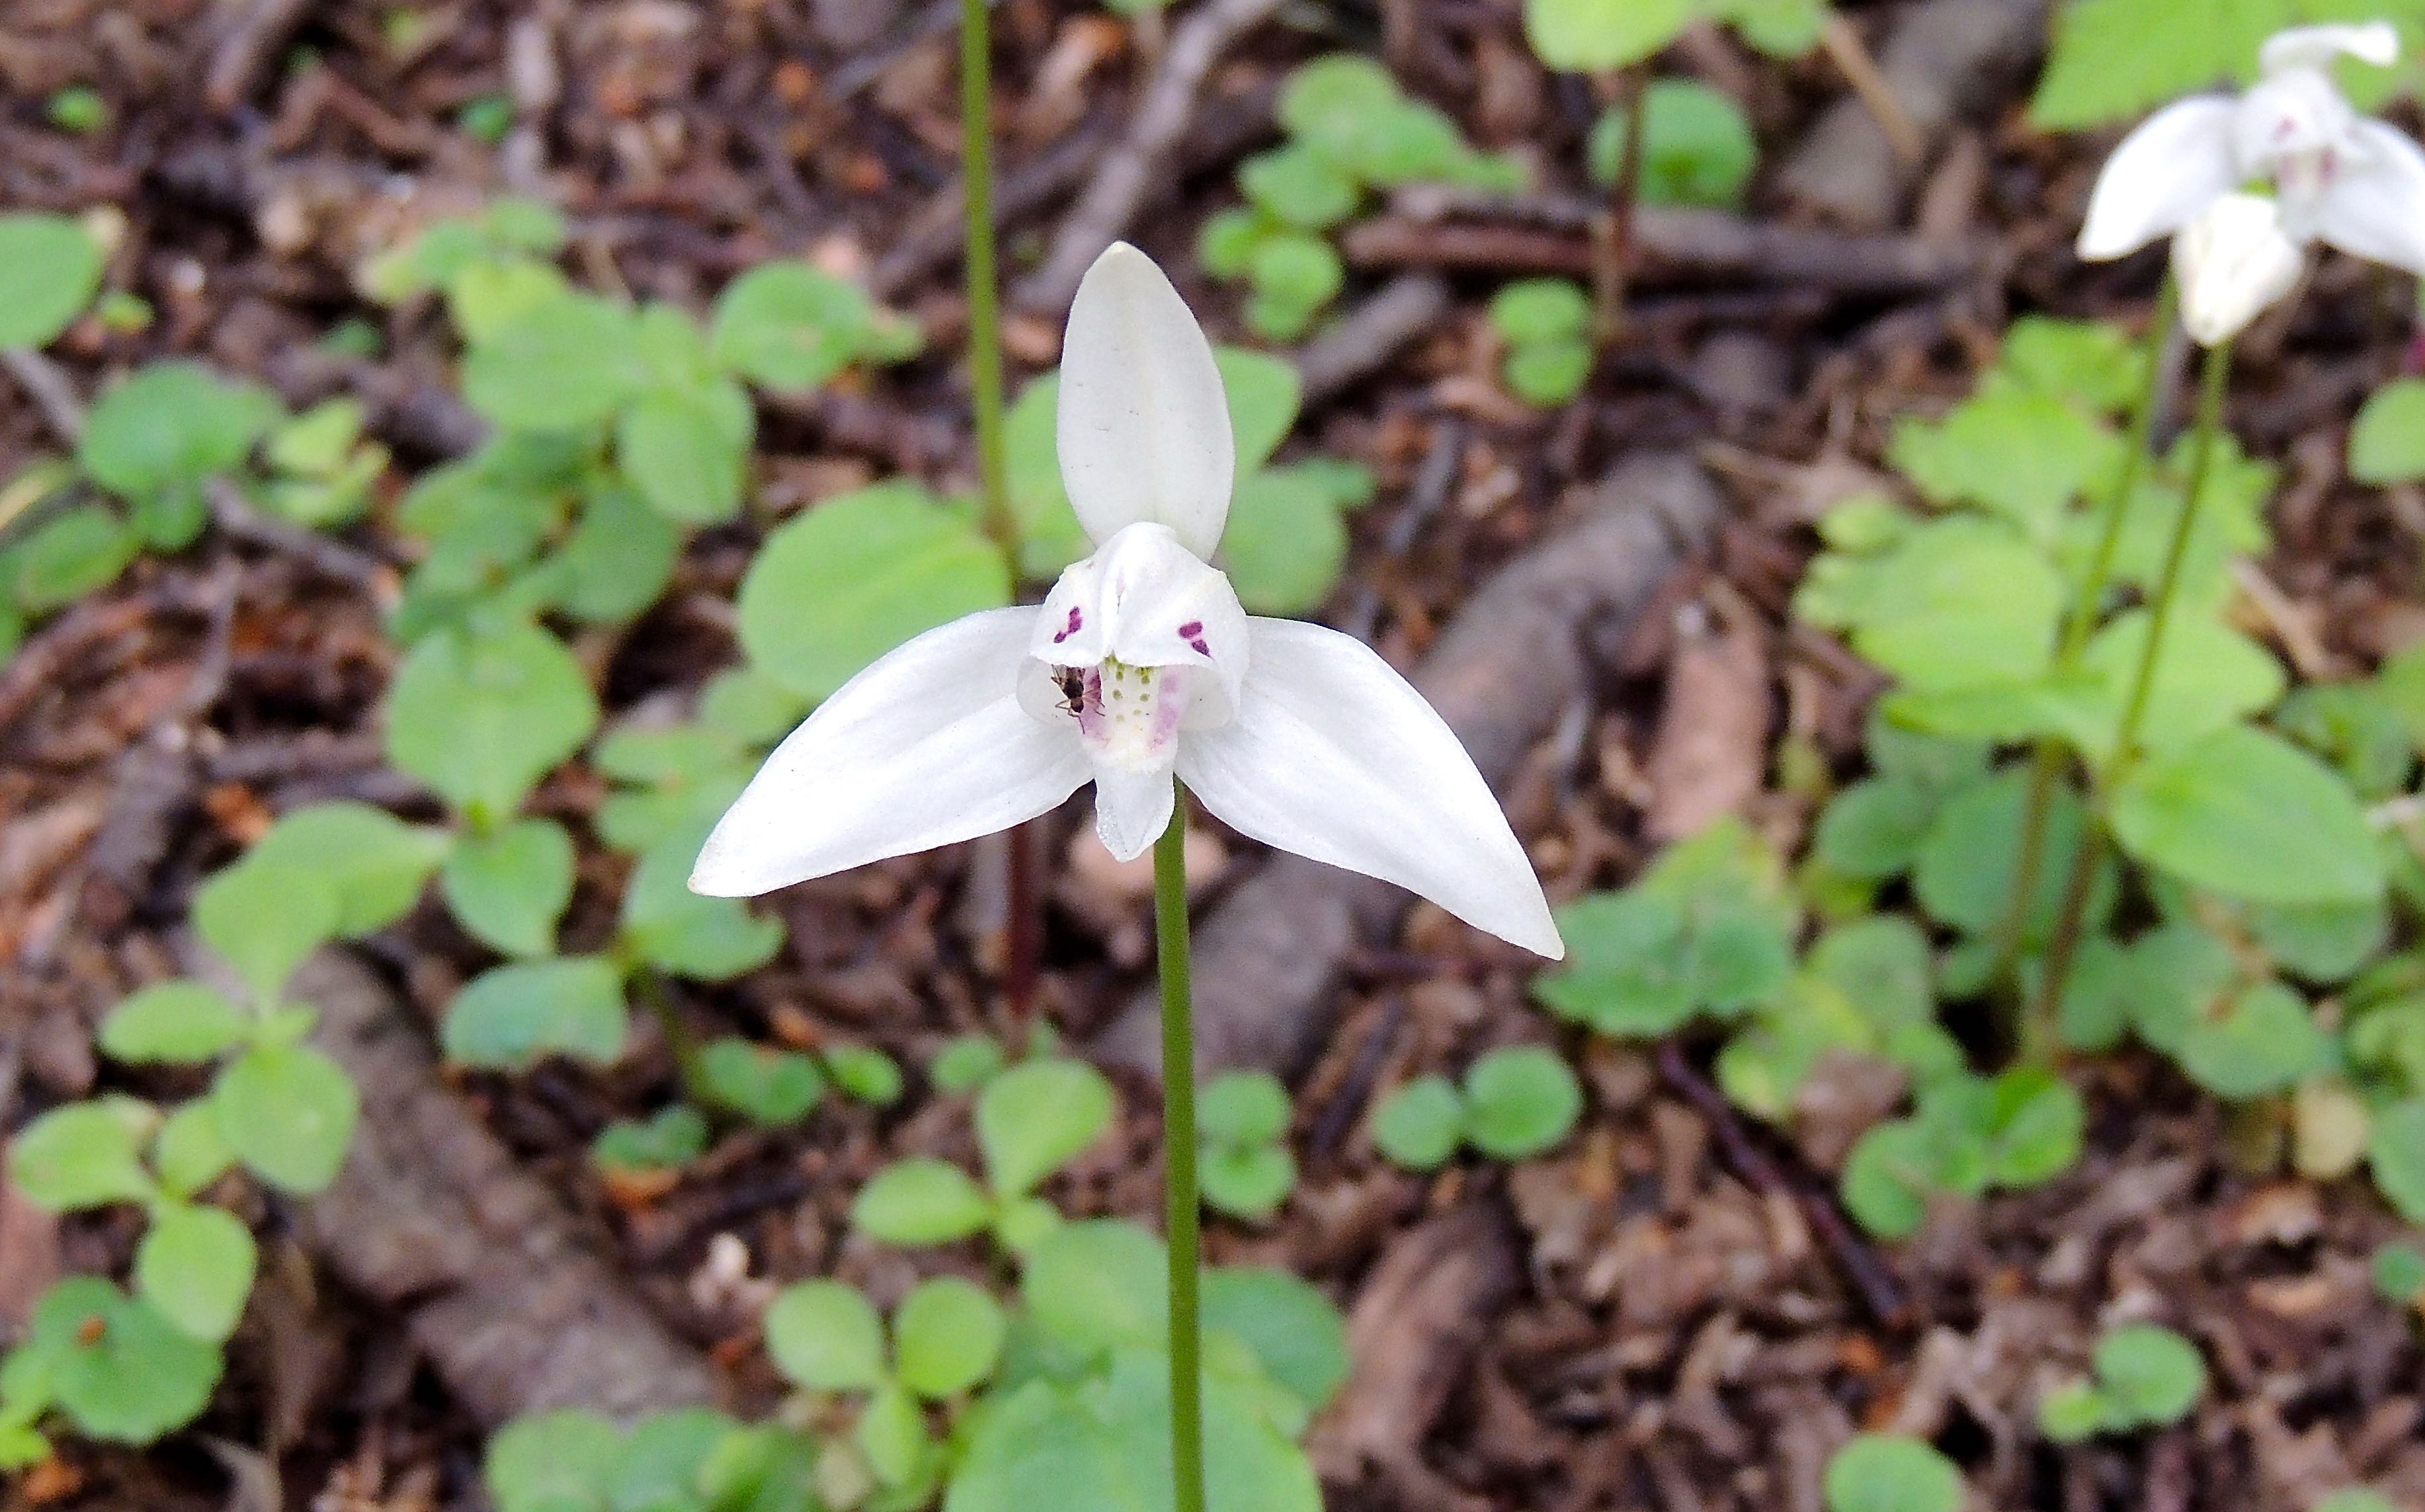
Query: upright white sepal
[2316,47]
[1144,426]
[2232,263]
[1335,756]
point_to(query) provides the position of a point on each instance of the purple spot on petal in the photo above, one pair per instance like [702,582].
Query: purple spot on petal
[1193,629]
[1076,620]
[1201,649]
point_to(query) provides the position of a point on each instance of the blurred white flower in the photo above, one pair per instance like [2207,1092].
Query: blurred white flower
[2340,178]
[1140,666]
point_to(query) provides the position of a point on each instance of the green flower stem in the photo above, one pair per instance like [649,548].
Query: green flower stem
[679,1040]
[985,300]
[1613,268]
[2047,760]
[1025,907]
[2064,943]
[1178,1159]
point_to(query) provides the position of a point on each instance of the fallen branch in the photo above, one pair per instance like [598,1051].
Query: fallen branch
[1140,162]
[484,1266]
[1268,957]
[1873,1281]
[1440,227]
[246,49]
[1371,335]
[1944,57]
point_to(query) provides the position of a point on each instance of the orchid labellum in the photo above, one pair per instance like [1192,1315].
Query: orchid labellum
[1139,666]
[2336,176]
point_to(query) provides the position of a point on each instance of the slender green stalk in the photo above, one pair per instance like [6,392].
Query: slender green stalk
[2047,759]
[680,1042]
[1178,1160]
[985,300]
[1612,264]
[2117,762]
[1025,909]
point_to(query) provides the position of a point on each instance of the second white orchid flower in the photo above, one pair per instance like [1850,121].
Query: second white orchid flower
[1139,666]
[2342,178]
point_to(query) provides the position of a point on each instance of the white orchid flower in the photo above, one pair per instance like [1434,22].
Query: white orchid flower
[2341,179]
[2232,263]
[1140,666]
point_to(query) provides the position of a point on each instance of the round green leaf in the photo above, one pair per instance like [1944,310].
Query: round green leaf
[50,269]
[118,1369]
[948,1335]
[2250,816]
[892,1436]
[2400,1274]
[551,1462]
[1594,36]
[69,556]
[767,1086]
[921,1202]
[864,1073]
[1299,187]
[1889,1473]
[1263,395]
[510,1016]
[2387,443]
[966,1063]
[1519,1101]
[1547,373]
[2396,1154]
[1532,311]
[196,1267]
[712,939]
[172,423]
[1698,147]
[791,326]
[1249,1182]
[826,1337]
[83,1155]
[562,361]
[2074,1413]
[374,862]
[1293,1330]
[508,887]
[265,918]
[2266,1040]
[2148,1376]
[172,1021]
[1971,855]
[288,1113]
[1886,1179]
[619,556]
[858,576]
[1285,544]
[190,1152]
[1242,1108]
[671,1140]
[481,715]
[688,449]
[1034,1118]
[661,1462]
[1420,1125]
[1098,1284]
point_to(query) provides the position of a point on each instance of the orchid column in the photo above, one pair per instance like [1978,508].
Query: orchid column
[1138,674]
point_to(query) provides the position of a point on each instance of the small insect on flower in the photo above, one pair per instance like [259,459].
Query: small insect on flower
[1073,689]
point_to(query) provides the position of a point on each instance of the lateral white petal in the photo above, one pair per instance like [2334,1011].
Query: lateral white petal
[1132,807]
[1335,756]
[2165,172]
[2376,208]
[2315,47]
[1143,427]
[927,747]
